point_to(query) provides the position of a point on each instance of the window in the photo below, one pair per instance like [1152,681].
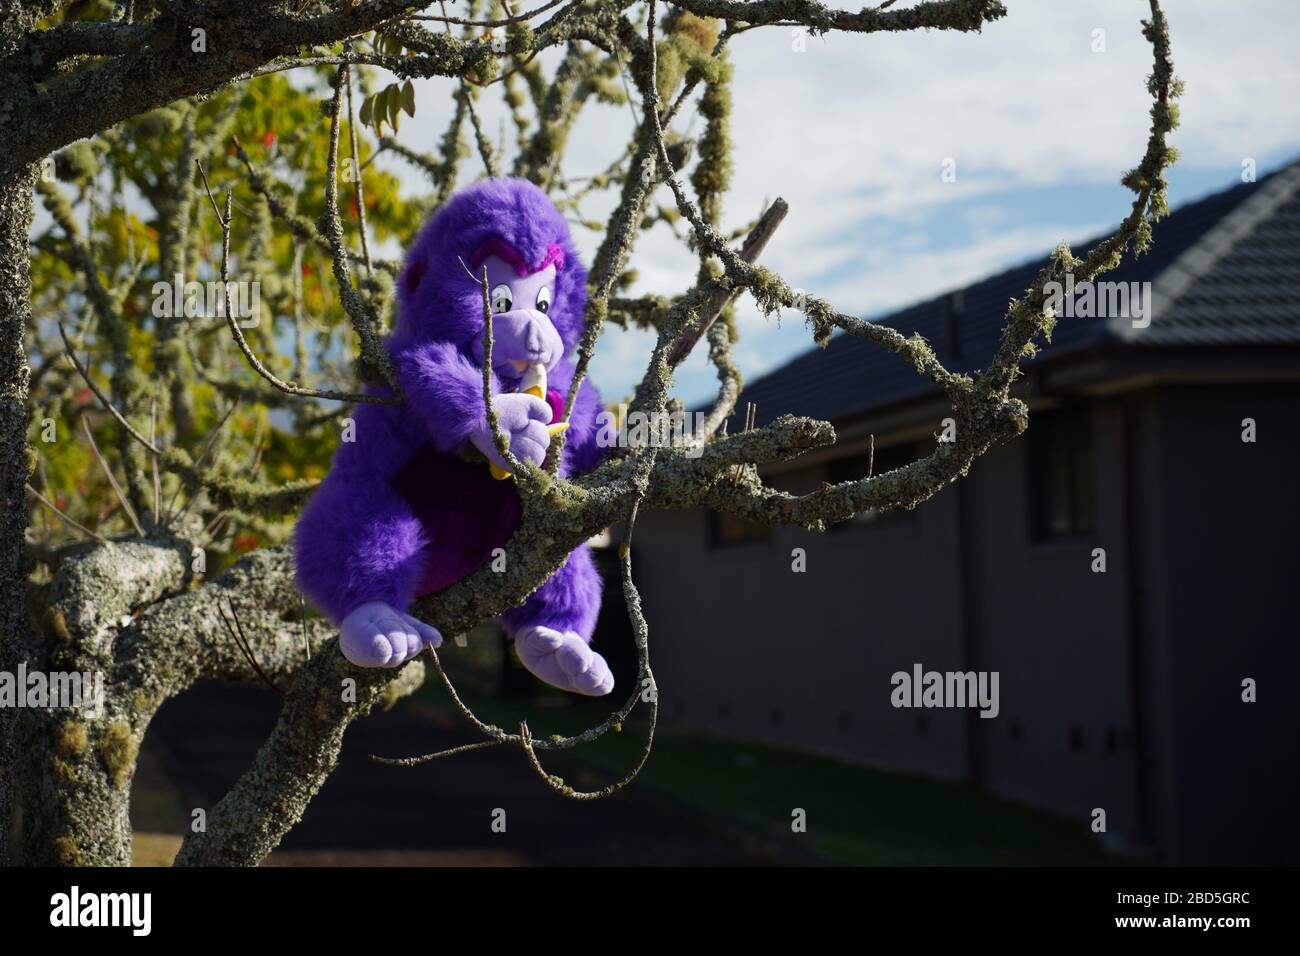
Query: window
[1060,474]
[853,467]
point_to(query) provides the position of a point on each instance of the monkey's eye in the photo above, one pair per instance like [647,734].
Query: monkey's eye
[543,299]
[502,300]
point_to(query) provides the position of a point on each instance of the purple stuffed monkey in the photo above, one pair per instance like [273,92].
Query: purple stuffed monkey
[410,506]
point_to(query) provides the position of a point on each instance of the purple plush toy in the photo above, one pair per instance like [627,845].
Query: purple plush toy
[410,506]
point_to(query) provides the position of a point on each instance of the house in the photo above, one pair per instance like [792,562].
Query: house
[1159,684]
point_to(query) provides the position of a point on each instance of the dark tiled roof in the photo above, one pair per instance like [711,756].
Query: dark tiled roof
[1225,270]
[1244,288]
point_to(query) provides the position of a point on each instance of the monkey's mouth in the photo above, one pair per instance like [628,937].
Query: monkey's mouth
[518,366]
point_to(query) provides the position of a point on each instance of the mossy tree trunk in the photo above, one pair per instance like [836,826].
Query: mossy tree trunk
[15,314]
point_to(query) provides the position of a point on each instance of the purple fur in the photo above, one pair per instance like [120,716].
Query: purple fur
[409,507]
[437,301]
[569,600]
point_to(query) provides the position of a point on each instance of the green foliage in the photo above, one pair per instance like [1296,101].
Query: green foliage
[136,199]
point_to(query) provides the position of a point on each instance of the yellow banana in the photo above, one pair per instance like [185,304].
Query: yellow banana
[533,383]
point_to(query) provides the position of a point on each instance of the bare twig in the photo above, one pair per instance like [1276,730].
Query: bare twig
[71,523]
[112,481]
[289,388]
[302,228]
[153,459]
[438,755]
[103,399]
[345,76]
[499,438]
[720,298]
[237,635]
[306,640]
[364,320]
[198,462]
[481,140]
[507,21]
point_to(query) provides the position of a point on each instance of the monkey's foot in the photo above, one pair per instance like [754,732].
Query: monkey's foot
[563,660]
[377,635]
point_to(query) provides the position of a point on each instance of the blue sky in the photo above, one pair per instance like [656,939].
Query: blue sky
[853,133]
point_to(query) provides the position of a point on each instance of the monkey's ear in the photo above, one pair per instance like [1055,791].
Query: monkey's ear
[411,278]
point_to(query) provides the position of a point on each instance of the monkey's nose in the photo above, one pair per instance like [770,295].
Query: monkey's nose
[534,341]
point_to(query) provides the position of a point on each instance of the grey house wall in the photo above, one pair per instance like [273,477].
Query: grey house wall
[743,646]
[1057,633]
[1118,690]
[1233,575]
[821,646]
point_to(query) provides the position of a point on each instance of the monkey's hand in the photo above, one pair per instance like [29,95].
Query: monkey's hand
[523,418]
[377,635]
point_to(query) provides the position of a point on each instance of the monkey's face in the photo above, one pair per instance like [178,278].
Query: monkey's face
[522,331]
[537,286]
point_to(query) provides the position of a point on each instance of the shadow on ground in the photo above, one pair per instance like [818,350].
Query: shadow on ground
[438,813]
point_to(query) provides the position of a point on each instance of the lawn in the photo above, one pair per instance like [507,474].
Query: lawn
[855,814]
